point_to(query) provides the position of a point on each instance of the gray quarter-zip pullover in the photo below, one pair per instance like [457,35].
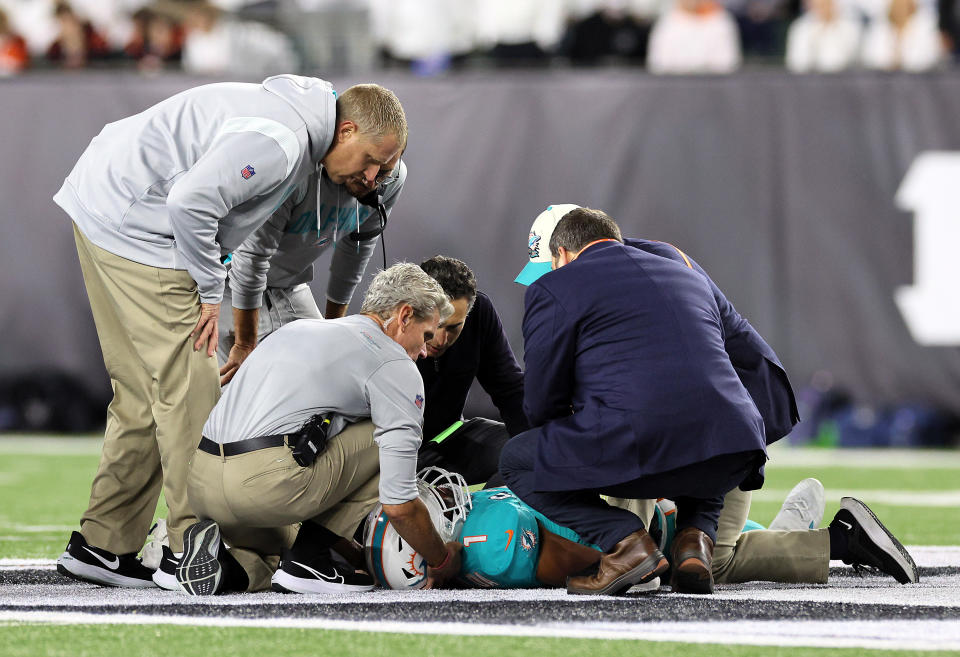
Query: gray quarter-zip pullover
[320,214]
[186,181]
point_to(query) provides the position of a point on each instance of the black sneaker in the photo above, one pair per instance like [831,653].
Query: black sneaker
[870,545]
[318,574]
[91,564]
[166,575]
[199,571]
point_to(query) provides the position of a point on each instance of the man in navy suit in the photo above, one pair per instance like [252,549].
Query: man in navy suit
[631,394]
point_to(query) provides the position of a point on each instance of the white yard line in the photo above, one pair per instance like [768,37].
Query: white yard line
[781,453]
[23,601]
[901,459]
[937,591]
[914,498]
[934,591]
[931,556]
[34,529]
[890,635]
[20,564]
[26,444]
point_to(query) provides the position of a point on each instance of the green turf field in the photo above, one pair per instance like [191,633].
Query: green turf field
[23,640]
[912,524]
[44,486]
[42,494]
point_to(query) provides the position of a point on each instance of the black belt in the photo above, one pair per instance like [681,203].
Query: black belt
[242,446]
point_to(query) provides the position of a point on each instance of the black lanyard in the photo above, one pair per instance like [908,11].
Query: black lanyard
[373,200]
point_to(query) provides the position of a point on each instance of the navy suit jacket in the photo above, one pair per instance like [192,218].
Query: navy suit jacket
[627,372]
[754,360]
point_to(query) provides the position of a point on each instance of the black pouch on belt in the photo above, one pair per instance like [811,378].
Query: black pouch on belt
[310,441]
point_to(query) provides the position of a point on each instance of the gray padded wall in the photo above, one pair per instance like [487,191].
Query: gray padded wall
[781,186]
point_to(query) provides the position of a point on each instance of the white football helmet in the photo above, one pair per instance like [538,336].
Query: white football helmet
[393,563]
[663,525]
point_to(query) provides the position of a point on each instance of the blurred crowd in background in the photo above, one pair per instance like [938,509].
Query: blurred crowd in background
[435,36]
[441,37]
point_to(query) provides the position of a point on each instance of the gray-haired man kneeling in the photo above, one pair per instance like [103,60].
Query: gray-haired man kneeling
[321,421]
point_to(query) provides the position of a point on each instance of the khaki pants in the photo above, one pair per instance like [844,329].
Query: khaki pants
[766,554]
[643,509]
[162,394]
[801,556]
[258,498]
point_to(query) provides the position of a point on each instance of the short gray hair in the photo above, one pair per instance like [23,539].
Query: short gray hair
[376,111]
[405,283]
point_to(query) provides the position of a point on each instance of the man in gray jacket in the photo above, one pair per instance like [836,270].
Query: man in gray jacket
[157,200]
[349,386]
[267,285]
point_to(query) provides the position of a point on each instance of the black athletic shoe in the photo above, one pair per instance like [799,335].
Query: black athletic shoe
[318,574]
[91,564]
[166,575]
[199,571]
[870,545]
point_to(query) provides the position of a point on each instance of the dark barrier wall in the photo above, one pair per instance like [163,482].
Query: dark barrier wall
[782,187]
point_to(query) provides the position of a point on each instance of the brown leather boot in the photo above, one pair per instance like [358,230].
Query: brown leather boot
[691,556]
[634,560]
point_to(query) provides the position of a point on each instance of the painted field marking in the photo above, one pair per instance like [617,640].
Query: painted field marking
[35,529]
[912,498]
[940,590]
[890,635]
[20,564]
[26,602]
[929,556]
[56,445]
[782,454]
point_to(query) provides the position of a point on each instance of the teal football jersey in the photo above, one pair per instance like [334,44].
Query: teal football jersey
[501,541]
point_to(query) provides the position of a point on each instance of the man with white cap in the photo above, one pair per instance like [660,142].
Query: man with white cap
[631,394]
[787,556]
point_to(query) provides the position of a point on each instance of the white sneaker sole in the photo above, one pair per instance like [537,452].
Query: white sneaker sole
[647,587]
[284,582]
[96,575]
[882,538]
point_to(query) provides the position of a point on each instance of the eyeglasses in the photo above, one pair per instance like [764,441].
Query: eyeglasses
[388,177]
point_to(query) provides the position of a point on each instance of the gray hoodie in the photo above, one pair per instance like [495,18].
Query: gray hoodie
[187,180]
[280,254]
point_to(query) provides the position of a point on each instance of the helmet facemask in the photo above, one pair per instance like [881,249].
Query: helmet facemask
[390,559]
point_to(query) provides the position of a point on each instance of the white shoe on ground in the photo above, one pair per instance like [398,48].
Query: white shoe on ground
[165,576]
[87,563]
[803,508]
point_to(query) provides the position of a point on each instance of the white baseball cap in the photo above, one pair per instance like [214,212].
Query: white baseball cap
[538,249]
